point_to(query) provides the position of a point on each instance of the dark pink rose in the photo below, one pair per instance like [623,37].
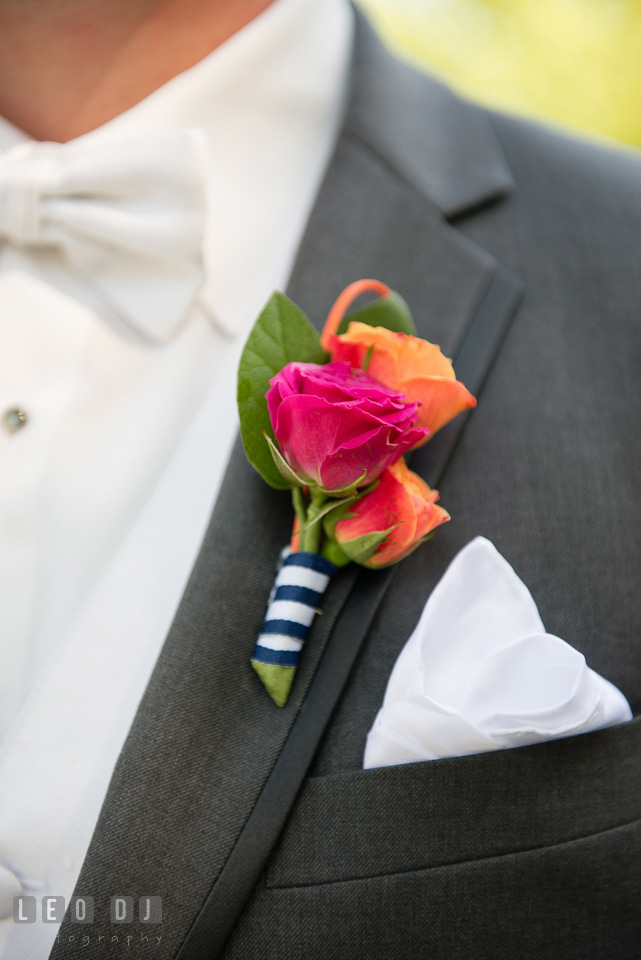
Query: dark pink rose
[335,424]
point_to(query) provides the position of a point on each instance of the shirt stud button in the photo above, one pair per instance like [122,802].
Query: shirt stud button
[15,419]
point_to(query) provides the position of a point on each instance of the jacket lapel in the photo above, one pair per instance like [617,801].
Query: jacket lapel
[398,176]
[206,735]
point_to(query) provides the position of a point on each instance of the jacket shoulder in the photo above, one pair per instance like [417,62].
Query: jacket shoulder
[571,173]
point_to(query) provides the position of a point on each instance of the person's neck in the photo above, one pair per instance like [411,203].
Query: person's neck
[68,66]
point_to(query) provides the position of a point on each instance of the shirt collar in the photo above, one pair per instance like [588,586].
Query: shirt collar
[270,100]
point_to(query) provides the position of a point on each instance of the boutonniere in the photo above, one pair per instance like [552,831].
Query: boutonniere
[330,419]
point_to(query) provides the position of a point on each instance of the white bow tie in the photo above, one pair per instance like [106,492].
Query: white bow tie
[128,216]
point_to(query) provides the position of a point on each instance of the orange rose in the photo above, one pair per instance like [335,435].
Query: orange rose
[408,364]
[390,522]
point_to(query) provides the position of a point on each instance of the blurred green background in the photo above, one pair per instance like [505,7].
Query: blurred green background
[575,62]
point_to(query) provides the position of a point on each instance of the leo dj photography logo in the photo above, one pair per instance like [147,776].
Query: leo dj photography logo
[82,910]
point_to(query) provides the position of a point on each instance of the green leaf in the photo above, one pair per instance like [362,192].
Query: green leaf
[282,466]
[339,512]
[281,334]
[345,490]
[391,312]
[324,511]
[362,548]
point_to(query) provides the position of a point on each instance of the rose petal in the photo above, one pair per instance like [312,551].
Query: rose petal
[336,425]
[396,356]
[441,400]
[403,498]
[389,504]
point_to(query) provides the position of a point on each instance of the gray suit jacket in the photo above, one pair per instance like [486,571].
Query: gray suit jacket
[525,853]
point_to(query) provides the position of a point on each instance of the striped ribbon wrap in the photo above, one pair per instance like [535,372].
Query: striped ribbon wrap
[295,598]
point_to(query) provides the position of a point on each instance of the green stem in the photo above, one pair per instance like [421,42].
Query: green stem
[298,500]
[310,538]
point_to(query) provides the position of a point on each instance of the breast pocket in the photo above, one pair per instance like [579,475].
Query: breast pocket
[418,816]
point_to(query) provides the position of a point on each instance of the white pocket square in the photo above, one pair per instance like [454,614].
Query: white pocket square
[480,673]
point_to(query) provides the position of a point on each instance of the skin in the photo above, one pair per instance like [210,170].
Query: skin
[68,66]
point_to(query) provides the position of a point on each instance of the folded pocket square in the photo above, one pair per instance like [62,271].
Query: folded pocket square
[480,673]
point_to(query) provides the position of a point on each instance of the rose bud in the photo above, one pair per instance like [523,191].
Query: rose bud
[388,523]
[337,426]
[415,367]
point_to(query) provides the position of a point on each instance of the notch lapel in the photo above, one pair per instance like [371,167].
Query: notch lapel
[206,735]
[410,158]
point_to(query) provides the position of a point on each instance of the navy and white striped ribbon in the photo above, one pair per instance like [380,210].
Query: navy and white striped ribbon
[298,590]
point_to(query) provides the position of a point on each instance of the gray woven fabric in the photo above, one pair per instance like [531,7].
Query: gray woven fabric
[186,811]
[524,853]
[576,901]
[549,469]
[425,815]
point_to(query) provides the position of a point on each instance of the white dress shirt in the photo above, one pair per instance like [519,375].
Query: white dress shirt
[105,493]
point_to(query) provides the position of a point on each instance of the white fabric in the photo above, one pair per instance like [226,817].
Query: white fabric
[291,610]
[127,215]
[278,641]
[480,673]
[106,409]
[56,764]
[105,494]
[292,576]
